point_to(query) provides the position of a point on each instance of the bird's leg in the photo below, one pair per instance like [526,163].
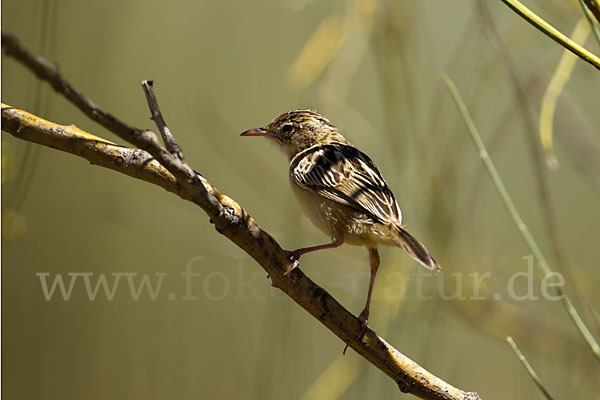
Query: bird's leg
[363,317]
[294,256]
[364,314]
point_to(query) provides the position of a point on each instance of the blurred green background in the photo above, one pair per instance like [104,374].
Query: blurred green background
[373,67]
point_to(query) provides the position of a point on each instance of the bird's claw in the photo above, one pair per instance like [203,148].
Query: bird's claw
[364,321]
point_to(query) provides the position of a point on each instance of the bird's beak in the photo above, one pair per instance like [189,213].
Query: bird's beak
[255,132]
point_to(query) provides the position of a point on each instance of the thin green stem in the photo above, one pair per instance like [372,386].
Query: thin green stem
[552,32]
[594,7]
[590,19]
[537,253]
[557,83]
[528,367]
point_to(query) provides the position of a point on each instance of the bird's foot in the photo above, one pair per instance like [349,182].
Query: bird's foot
[363,317]
[364,321]
[294,257]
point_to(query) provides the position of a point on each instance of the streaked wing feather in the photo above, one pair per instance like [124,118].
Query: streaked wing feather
[345,175]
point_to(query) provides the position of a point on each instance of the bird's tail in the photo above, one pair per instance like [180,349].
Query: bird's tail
[415,249]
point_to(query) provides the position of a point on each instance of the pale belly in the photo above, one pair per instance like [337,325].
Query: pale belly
[338,220]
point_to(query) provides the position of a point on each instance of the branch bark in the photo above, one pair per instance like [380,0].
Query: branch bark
[167,168]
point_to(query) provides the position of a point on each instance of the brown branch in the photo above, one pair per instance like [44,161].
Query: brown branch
[133,162]
[173,174]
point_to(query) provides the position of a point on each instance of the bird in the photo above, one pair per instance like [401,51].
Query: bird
[342,192]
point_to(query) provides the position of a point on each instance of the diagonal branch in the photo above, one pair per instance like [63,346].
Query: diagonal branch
[163,167]
[136,163]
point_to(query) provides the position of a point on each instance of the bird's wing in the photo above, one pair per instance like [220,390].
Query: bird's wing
[345,175]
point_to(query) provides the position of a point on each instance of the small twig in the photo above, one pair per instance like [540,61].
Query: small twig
[552,32]
[529,368]
[512,209]
[157,117]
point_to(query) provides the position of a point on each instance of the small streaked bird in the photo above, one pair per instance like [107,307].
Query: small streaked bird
[341,190]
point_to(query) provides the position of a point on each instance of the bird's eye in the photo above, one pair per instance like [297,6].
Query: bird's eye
[286,128]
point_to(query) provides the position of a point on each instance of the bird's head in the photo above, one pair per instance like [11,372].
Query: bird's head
[297,130]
